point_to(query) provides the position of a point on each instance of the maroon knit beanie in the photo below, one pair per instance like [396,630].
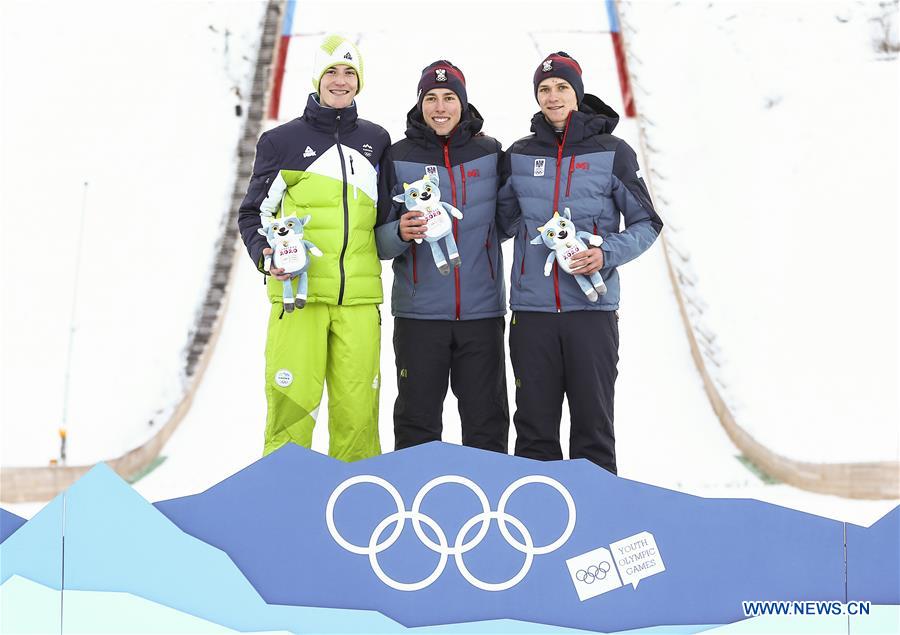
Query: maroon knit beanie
[560,65]
[443,74]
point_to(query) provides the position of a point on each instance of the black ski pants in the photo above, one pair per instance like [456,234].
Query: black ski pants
[573,353]
[471,354]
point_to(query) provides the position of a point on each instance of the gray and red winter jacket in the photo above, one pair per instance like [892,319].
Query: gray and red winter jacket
[467,163]
[595,175]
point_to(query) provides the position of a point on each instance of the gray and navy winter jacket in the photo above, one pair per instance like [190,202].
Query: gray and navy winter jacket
[467,164]
[595,175]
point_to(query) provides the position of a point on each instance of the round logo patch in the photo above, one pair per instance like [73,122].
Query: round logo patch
[284,378]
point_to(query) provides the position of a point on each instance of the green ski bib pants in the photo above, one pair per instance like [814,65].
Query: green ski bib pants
[338,346]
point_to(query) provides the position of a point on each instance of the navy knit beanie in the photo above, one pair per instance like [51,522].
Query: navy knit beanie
[563,66]
[443,74]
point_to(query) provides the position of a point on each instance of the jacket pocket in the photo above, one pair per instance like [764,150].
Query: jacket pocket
[519,267]
[569,174]
[487,249]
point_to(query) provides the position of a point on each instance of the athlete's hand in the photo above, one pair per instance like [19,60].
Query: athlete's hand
[412,226]
[276,272]
[584,263]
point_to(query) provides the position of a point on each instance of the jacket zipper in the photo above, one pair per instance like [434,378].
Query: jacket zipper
[455,220]
[337,139]
[559,150]
[556,284]
[352,172]
[415,272]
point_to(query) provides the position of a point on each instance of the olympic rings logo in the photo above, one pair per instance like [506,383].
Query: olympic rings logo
[461,544]
[593,573]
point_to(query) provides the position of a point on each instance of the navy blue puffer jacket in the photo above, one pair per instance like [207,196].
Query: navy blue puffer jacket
[467,164]
[595,175]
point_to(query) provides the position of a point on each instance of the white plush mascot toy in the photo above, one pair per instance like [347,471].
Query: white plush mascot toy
[285,236]
[564,241]
[424,196]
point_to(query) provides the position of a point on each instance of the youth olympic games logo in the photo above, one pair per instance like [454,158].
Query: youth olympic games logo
[460,545]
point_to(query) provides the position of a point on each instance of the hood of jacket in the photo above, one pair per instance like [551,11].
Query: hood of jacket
[469,125]
[593,117]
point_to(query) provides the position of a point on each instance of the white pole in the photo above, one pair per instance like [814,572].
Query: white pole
[65,413]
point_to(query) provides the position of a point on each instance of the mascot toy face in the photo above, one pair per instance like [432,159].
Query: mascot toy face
[560,236]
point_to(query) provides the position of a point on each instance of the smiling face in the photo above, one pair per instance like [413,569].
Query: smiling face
[338,86]
[557,99]
[441,110]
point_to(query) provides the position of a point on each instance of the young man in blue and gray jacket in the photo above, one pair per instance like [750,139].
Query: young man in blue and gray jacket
[447,325]
[560,341]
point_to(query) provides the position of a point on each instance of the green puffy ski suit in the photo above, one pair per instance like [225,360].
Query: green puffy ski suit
[325,165]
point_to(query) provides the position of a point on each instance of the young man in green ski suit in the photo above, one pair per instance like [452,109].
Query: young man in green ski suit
[325,165]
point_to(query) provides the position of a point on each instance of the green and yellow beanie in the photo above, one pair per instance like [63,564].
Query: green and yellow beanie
[335,50]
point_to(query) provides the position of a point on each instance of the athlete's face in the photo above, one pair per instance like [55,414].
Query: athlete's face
[338,86]
[557,99]
[441,110]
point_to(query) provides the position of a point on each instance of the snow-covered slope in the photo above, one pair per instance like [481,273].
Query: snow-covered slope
[775,127]
[138,100]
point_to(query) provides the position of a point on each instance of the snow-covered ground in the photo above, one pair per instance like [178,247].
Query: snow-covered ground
[776,131]
[138,100]
[672,439]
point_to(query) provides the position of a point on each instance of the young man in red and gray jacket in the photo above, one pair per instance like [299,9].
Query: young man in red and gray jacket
[560,341]
[447,325]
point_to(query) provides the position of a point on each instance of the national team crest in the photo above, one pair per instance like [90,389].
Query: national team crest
[440,74]
[548,66]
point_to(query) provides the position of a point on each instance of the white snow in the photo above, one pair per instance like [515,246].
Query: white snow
[830,360]
[776,126]
[137,100]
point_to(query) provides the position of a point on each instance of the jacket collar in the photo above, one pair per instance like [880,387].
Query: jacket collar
[326,119]
[592,118]
[469,126]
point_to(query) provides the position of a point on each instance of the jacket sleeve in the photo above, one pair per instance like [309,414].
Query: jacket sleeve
[508,214]
[387,231]
[265,169]
[642,223]
[385,182]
